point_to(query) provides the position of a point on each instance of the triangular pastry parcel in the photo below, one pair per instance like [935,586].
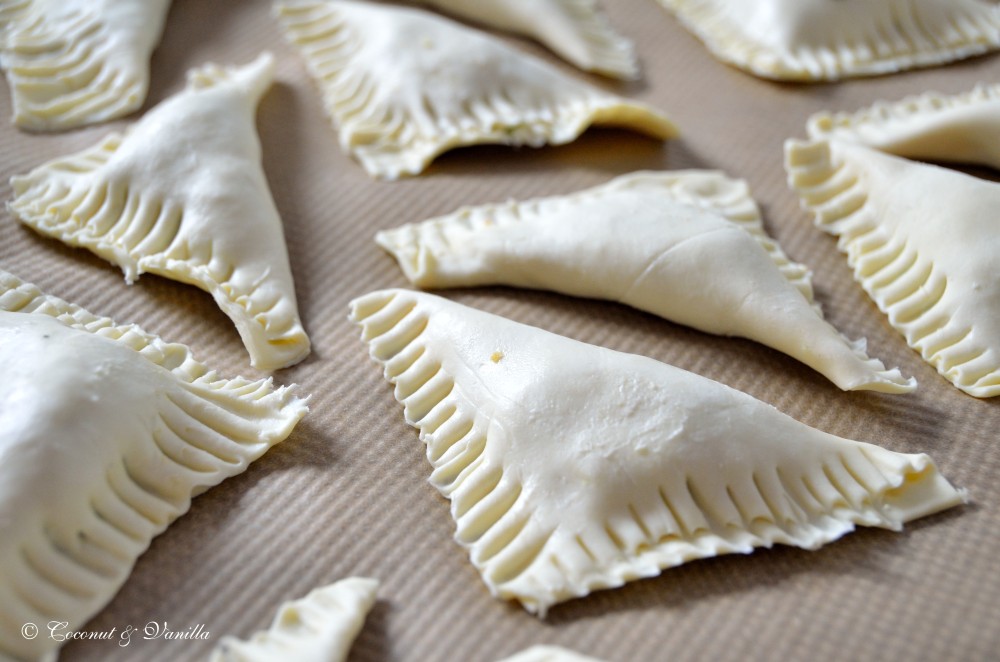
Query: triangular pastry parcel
[572,468]
[548,654]
[810,40]
[923,242]
[403,85]
[688,246]
[576,30]
[75,62]
[963,128]
[182,194]
[106,433]
[317,628]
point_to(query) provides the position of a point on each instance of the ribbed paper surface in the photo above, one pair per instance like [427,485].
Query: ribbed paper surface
[346,494]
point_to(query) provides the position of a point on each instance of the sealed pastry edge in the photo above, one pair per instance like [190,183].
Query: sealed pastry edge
[213,401]
[937,111]
[333,615]
[393,331]
[393,155]
[731,45]
[829,191]
[87,104]
[691,187]
[274,340]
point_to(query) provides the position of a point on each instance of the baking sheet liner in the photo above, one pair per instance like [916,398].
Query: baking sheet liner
[346,494]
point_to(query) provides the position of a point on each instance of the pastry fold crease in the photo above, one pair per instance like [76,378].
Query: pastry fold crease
[922,241]
[182,194]
[576,30]
[70,63]
[106,434]
[404,85]
[572,468]
[688,246]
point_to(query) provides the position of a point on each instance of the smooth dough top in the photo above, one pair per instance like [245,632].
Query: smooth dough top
[106,434]
[543,653]
[810,40]
[575,29]
[923,241]
[572,467]
[688,246]
[957,128]
[182,194]
[403,85]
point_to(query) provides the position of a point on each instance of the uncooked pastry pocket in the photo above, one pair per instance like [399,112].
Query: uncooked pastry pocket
[688,246]
[70,63]
[182,194]
[106,433]
[403,85]
[812,40]
[572,468]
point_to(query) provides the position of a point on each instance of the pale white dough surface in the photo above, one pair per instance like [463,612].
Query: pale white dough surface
[347,494]
[824,40]
[404,85]
[923,242]
[319,627]
[71,63]
[182,194]
[106,433]
[688,246]
[577,30]
[572,468]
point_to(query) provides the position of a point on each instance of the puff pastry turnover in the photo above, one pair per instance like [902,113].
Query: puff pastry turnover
[182,194]
[923,242]
[810,40]
[688,246]
[106,433]
[572,467]
[75,62]
[574,29]
[548,654]
[403,85]
[317,628]
[962,128]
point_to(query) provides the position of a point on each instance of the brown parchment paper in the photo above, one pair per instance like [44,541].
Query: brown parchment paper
[346,494]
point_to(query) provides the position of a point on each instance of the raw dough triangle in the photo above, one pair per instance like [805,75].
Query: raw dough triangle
[75,62]
[577,30]
[810,40]
[317,628]
[106,433]
[404,85]
[963,128]
[923,242]
[688,246]
[548,654]
[182,194]
[572,467]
